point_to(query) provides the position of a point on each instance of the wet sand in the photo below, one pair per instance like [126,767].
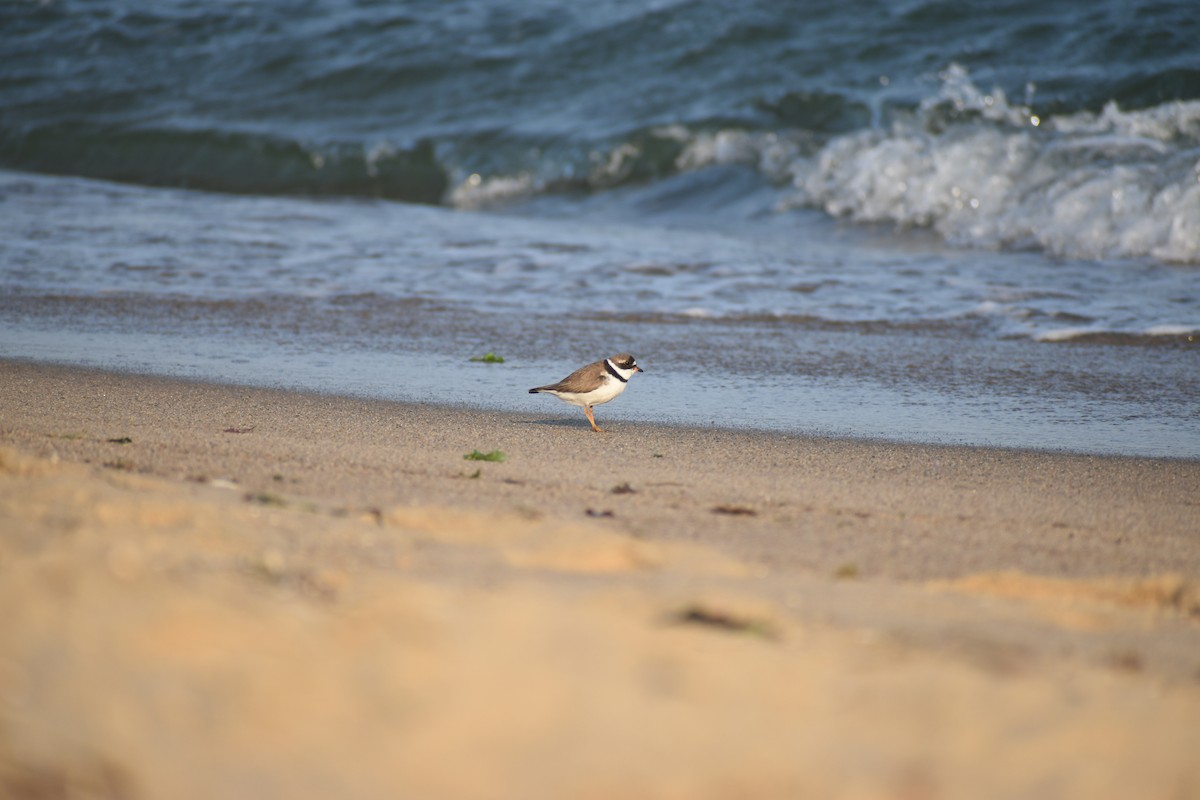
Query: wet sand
[220,591]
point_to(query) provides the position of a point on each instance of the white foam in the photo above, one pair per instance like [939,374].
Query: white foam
[1172,330]
[372,156]
[1064,334]
[1067,334]
[994,187]
[476,192]
[984,172]
[721,147]
[990,308]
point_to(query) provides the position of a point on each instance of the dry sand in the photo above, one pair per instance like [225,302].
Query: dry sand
[225,592]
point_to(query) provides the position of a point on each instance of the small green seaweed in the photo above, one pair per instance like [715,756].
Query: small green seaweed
[488,358]
[718,619]
[494,455]
[265,499]
[121,440]
[847,571]
[736,511]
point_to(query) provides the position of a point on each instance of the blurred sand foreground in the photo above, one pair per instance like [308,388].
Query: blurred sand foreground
[270,595]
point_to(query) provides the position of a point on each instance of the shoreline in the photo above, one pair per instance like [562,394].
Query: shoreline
[211,584]
[565,418]
[908,389]
[548,455]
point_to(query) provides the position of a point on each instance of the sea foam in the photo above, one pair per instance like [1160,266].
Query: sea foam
[984,172]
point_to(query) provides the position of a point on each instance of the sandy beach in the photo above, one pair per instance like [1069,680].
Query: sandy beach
[215,591]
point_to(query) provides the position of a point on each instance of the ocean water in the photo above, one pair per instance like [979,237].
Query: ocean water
[921,221]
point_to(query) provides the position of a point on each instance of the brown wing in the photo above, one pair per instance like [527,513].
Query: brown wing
[584,379]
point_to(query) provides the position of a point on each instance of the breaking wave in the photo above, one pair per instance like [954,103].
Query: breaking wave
[986,173]
[977,168]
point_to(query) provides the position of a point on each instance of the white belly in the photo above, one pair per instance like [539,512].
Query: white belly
[607,391]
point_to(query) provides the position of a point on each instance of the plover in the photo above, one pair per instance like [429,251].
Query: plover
[594,384]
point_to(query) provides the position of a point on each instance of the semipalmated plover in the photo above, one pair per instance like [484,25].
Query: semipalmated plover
[594,384]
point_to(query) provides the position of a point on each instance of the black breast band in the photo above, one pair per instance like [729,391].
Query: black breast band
[613,372]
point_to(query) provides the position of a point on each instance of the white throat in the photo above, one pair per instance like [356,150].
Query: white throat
[625,374]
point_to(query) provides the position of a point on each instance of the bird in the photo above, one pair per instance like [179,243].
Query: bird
[594,384]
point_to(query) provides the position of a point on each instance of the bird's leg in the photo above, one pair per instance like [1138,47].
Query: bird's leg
[588,410]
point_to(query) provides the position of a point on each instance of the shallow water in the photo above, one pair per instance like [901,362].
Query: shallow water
[389,300]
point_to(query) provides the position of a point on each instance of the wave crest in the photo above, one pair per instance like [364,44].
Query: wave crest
[1117,184]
